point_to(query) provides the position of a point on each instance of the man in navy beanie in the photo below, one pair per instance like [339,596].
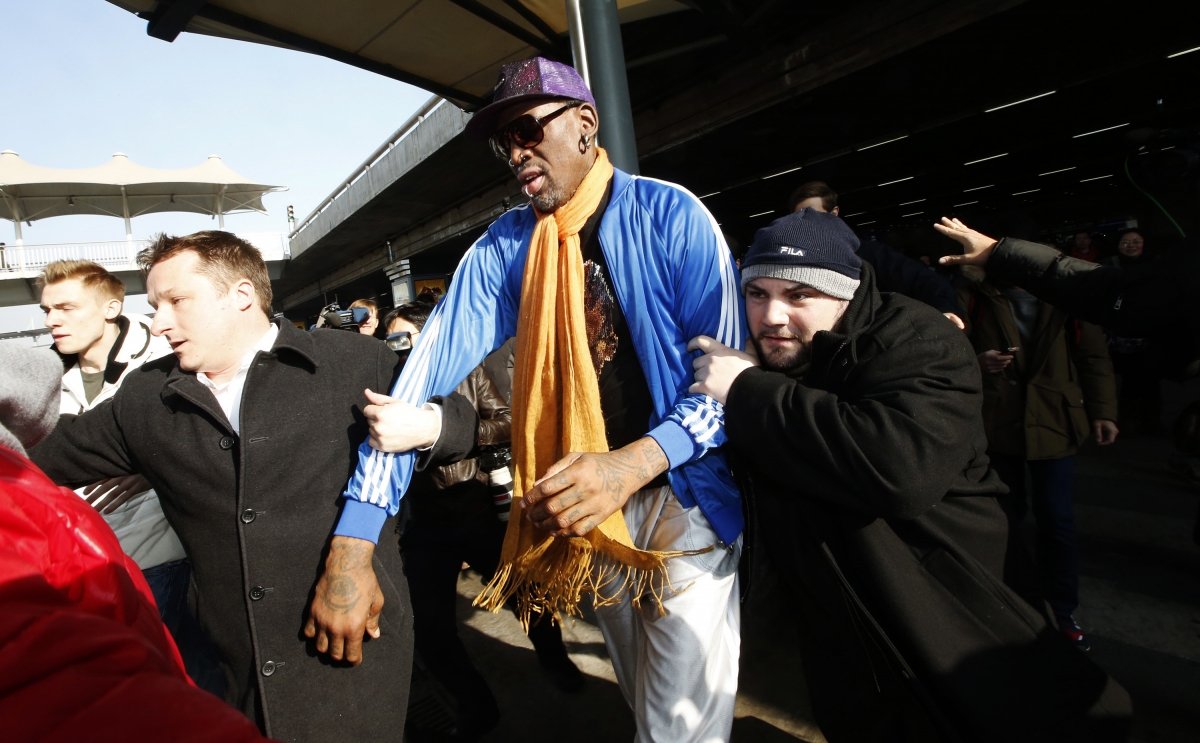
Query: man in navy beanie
[859,443]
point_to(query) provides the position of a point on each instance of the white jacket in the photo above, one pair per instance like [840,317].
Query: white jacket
[139,523]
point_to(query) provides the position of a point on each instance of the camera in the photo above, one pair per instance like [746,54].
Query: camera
[494,461]
[401,343]
[335,317]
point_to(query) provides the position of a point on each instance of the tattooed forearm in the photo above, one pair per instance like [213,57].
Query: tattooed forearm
[627,469]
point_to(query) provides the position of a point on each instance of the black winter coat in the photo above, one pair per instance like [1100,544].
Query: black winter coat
[1160,300]
[871,493]
[255,513]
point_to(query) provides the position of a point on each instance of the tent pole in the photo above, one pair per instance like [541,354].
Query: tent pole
[15,204]
[221,208]
[600,29]
[129,253]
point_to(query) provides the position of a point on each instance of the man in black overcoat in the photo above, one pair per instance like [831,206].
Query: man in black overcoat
[249,432]
[858,428]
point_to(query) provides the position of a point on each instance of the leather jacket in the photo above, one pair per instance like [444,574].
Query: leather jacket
[459,491]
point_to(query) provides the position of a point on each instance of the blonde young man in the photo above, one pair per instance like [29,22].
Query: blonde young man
[101,346]
[371,324]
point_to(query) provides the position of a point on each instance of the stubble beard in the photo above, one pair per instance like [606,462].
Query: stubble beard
[781,359]
[550,197]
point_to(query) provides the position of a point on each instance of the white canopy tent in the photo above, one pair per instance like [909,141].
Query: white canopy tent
[121,188]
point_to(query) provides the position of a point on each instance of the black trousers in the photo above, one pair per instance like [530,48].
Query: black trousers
[433,558]
[1057,546]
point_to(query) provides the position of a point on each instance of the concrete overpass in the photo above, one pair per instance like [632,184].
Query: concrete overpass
[910,109]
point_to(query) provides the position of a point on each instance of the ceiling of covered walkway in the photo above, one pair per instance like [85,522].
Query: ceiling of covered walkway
[903,107]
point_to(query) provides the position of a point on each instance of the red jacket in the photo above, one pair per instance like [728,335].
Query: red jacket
[83,653]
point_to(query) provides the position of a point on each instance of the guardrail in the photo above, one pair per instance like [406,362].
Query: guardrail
[115,255]
[405,129]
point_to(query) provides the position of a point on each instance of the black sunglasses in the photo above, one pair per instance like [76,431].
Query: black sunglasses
[525,132]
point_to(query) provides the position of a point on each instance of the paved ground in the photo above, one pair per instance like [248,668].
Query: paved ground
[1140,604]
[1140,586]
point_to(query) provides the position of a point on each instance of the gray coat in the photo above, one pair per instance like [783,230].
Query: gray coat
[255,513]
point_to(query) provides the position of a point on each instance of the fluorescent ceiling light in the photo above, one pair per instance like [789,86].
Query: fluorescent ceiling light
[898,180]
[760,214]
[886,141]
[978,188]
[984,159]
[966,203]
[1185,51]
[1106,129]
[1060,170]
[1023,100]
[783,172]
[906,203]
[860,224]
[1018,193]
[855,214]
[902,216]
[714,193]
[1085,180]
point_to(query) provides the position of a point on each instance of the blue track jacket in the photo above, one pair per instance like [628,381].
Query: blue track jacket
[674,278]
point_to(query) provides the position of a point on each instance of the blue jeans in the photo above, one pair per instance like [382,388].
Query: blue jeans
[169,583]
[1057,544]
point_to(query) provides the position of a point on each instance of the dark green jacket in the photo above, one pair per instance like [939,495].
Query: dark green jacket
[1059,380]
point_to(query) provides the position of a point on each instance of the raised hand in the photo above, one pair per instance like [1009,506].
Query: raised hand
[977,247]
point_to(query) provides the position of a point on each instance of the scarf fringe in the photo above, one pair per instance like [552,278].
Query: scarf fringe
[551,579]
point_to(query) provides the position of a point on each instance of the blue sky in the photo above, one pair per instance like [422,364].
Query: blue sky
[84,81]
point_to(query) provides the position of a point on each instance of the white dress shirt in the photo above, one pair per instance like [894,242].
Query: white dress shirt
[229,395]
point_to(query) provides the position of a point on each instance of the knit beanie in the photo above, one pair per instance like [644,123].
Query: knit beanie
[809,247]
[30,390]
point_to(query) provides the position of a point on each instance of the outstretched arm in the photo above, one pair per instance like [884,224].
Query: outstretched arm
[85,448]
[1097,294]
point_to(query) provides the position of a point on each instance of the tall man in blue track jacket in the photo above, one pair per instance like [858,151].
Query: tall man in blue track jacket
[657,272]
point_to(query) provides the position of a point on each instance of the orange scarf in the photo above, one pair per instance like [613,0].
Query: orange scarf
[556,411]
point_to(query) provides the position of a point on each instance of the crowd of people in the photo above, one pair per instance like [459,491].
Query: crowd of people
[680,422]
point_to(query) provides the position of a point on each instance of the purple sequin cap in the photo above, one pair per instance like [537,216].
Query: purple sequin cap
[536,77]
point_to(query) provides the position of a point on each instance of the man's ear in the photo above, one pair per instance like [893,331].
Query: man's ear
[112,309]
[245,295]
[835,211]
[589,119]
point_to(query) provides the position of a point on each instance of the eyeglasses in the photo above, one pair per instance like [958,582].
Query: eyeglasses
[525,132]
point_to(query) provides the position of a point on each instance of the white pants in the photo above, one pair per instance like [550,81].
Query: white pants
[678,672]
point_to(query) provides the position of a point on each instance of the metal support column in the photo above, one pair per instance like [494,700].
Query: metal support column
[130,253]
[221,208]
[125,212]
[600,58]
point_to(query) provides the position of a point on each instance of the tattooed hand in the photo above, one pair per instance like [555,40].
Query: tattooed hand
[581,490]
[347,601]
